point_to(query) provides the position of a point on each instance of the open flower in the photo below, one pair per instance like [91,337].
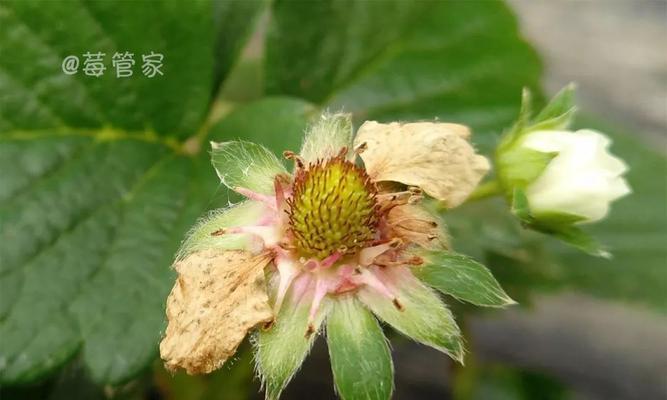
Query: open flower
[330,243]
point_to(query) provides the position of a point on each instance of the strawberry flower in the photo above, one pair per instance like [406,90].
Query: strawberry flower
[557,179]
[330,244]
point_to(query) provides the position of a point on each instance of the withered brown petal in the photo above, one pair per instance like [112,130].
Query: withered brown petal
[414,224]
[436,157]
[217,298]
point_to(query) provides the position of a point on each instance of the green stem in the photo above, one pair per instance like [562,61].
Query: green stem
[485,190]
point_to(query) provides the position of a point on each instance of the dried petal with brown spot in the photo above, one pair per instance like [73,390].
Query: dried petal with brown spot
[218,297]
[414,224]
[436,157]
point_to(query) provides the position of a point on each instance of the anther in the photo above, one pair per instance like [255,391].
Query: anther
[290,155]
[361,148]
[309,331]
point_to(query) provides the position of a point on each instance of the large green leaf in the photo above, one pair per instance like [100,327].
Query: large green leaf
[388,60]
[96,193]
[37,94]
[235,21]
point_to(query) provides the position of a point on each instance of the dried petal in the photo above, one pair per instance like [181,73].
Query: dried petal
[413,224]
[436,157]
[218,297]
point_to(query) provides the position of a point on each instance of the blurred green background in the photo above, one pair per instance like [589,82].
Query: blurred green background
[101,177]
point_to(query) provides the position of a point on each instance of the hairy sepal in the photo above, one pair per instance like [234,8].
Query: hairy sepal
[463,278]
[421,315]
[327,136]
[360,356]
[246,165]
[281,349]
[201,236]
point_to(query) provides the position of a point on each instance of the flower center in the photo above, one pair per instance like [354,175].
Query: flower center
[333,208]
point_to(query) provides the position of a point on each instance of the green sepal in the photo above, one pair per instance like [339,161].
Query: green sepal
[422,316]
[281,349]
[558,114]
[518,166]
[201,236]
[360,356]
[463,278]
[327,136]
[559,225]
[241,164]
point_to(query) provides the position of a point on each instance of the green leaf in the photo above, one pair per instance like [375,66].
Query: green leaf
[360,356]
[234,21]
[39,95]
[462,277]
[422,315]
[280,350]
[246,165]
[457,61]
[88,227]
[96,193]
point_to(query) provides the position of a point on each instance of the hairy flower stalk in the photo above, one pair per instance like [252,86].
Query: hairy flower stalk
[338,243]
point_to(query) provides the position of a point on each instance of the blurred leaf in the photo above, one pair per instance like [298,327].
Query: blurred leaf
[496,382]
[234,21]
[98,196]
[457,61]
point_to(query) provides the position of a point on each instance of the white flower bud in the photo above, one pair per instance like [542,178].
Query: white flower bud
[582,179]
